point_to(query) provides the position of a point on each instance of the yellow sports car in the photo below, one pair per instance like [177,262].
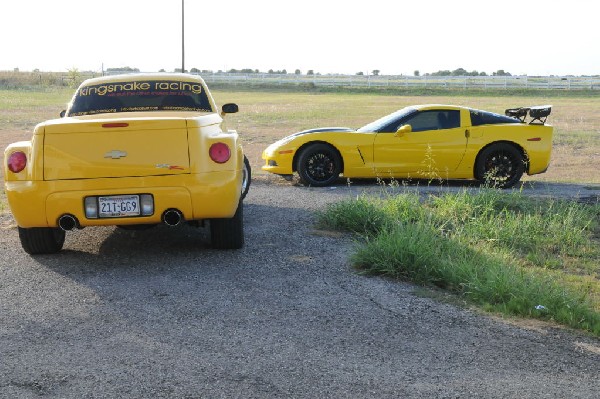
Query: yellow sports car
[132,151]
[424,141]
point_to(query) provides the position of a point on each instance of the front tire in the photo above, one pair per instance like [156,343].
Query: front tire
[41,240]
[500,165]
[319,165]
[228,233]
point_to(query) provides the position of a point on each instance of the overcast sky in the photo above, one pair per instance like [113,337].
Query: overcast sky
[396,37]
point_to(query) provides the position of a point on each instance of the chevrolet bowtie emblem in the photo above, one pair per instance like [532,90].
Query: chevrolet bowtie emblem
[115,154]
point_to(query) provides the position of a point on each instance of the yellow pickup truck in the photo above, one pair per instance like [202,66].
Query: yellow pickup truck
[132,151]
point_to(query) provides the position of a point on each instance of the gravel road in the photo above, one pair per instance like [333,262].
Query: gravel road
[159,314]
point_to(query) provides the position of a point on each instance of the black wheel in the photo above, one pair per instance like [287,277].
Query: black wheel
[500,165]
[228,233]
[319,165]
[247,177]
[41,240]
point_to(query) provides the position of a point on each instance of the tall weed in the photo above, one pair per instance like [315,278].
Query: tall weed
[496,249]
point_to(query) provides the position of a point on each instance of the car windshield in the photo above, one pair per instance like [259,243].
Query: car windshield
[380,124]
[132,96]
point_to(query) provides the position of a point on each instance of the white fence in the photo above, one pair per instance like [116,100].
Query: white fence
[18,79]
[401,81]
[458,82]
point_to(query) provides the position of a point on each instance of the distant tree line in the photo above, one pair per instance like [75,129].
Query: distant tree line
[123,69]
[463,72]
[374,72]
[247,71]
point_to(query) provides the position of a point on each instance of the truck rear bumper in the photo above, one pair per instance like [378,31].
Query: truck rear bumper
[196,196]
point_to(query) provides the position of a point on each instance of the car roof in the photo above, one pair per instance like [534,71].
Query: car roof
[425,107]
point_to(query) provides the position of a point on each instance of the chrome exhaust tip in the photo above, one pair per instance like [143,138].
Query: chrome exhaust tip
[172,217]
[68,222]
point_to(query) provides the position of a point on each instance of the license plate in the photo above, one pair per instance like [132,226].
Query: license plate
[116,206]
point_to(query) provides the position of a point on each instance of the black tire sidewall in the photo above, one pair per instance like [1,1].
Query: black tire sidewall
[41,240]
[310,151]
[249,177]
[228,233]
[515,154]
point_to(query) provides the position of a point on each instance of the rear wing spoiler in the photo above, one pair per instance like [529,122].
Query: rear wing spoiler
[538,114]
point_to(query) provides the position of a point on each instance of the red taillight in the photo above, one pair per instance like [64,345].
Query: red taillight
[17,161]
[219,152]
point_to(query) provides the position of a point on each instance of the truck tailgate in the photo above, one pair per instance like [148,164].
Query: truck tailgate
[84,149]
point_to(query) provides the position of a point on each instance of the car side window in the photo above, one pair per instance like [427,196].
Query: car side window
[479,118]
[452,119]
[434,120]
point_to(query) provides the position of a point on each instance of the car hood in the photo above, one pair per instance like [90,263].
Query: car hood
[318,130]
[324,129]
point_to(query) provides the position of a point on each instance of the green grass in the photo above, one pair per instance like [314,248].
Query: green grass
[23,109]
[504,252]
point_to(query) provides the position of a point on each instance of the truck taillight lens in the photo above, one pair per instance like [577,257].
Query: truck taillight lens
[17,161]
[219,152]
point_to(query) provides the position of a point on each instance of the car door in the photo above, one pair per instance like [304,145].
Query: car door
[426,143]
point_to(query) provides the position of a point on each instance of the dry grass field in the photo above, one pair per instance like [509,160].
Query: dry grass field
[267,116]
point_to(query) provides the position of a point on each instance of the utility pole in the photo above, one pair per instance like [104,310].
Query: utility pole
[182,37]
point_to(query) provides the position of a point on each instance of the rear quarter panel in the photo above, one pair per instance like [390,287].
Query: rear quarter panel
[534,140]
[202,135]
[35,160]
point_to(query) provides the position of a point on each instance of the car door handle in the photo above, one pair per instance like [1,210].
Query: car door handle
[467,133]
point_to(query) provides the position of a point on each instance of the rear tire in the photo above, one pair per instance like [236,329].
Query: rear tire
[500,165]
[41,240]
[228,233]
[247,173]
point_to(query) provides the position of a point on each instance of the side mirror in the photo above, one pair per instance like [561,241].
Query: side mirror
[63,113]
[403,130]
[229,108]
